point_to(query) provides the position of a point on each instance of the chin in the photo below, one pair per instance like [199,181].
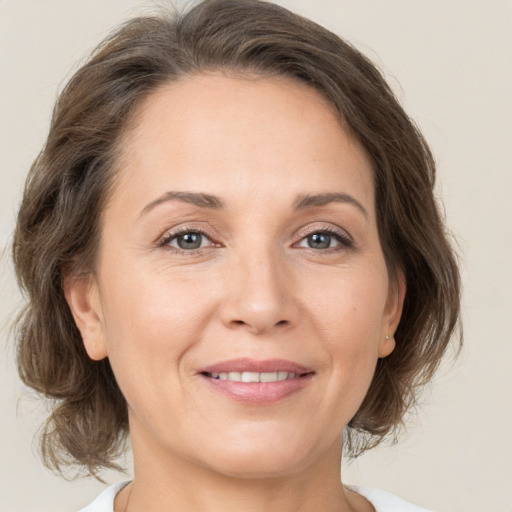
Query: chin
[259,460]
[259,466]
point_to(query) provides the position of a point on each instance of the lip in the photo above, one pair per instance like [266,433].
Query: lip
[252,365]
[257,393]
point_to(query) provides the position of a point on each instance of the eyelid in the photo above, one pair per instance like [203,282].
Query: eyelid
[341,233]
[171,234]
[342,236]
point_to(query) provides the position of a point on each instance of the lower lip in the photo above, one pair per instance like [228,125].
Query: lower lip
[259,392]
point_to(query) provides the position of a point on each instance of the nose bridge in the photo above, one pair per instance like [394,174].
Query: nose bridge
[259,289]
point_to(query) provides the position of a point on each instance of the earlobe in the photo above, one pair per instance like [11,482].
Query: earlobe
[387,346]
[83,300]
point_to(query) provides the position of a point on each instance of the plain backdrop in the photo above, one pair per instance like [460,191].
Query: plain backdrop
[450,63]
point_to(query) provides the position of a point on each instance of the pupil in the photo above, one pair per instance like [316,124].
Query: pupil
[319,241]
[189,241]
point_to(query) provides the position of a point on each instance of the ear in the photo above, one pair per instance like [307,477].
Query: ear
[392,314]
[83,300]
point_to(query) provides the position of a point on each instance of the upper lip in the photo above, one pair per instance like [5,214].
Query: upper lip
[253,365]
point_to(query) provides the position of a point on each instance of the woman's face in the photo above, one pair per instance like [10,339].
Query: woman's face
[240,243]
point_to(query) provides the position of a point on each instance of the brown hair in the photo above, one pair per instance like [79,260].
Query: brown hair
[57,232]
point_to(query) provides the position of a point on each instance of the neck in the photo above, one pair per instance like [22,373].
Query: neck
[174,483]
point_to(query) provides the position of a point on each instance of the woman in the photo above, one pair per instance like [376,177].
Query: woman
[232,252]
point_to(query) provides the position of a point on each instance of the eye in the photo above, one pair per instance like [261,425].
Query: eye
[187,240]
[325,239]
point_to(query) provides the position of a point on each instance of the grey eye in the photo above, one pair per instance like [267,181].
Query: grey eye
[319,241]
[325,239]
[188,240]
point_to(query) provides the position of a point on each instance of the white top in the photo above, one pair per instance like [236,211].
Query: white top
[382,501]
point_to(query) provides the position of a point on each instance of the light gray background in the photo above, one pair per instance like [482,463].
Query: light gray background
[450,64]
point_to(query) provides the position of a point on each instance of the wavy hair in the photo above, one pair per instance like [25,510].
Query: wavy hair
[57,232]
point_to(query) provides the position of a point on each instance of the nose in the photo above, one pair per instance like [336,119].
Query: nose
[259,294]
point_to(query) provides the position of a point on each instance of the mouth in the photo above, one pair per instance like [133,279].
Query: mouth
[257,382]
[255,376]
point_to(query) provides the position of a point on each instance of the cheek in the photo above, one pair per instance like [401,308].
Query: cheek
[347,313]
[145,300]
[348,307]
[151,320]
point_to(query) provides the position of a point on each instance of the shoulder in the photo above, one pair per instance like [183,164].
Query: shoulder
[384,501]
[105,501]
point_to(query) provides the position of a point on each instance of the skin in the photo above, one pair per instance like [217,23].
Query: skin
[255,288]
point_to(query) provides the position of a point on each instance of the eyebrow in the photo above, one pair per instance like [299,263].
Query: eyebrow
[196,198]
[311,200]
[302,202]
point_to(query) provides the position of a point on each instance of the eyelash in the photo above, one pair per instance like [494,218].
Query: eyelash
[342,238]
[167,238]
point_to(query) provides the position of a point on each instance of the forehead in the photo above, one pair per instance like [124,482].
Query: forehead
[230,133]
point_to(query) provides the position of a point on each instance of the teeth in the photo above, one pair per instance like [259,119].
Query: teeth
[253,376]
[268,377]
[249,377]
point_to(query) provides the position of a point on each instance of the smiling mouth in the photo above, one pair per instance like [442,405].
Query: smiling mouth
[255,376]
[257,382]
